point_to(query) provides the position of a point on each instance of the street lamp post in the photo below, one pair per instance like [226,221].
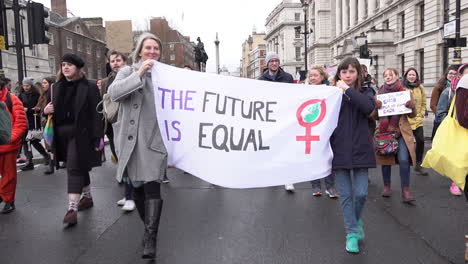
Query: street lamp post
[305,7]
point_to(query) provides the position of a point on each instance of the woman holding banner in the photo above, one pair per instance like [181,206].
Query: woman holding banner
[140,149]
[400,128]
[318,76]
[352,148]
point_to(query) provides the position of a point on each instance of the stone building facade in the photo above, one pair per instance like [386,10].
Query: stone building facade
[400,34]
[82,36]
[119,36]
[282,38]
[178,50]
[36,59]
[256,62]
[251,52]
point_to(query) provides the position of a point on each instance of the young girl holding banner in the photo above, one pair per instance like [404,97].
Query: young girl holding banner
[352,148]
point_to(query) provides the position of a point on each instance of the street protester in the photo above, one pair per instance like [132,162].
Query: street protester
[439,97]
[41,104]
[400,129]
[9,151]
[274,73]
[117,60]
[142,156]
[78,132]
[30,96]
[318,76]
[352,149]
[443,106]
[412,83]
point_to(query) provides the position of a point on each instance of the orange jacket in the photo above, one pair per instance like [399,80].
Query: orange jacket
[18,123]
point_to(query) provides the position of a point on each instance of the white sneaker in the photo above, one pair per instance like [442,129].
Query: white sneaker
[121,202]
[129,206]
[289,187]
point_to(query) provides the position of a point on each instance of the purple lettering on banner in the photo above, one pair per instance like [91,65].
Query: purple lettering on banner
[188,98]
[179,134]
[163,95]
[167,129]
[174,99]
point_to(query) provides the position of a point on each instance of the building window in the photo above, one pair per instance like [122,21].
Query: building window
[297,16]
[90,72]
[172,47]
[298,53]
[88,48]
[69,43]
[13,39]
[51,37]
[52,65]
[421,65]
[78,46]
[297,34]
[172,57]
[99,72]
[402,63]
[78,29]
[386,24]
[98,53]
[421,17]
[34,51]
[402,24]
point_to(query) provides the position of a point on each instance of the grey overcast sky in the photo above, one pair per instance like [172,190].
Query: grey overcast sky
[234,20]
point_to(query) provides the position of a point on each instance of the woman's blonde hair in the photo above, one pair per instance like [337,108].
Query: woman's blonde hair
[322,72]
[139,46]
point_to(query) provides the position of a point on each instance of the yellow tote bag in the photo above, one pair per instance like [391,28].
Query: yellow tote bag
[449,153]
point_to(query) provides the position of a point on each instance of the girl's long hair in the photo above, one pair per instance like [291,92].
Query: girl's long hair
[344,65]
[442,83]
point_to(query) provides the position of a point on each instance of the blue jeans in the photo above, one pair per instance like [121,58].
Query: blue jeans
[329,182]
[404,162]
[353,195]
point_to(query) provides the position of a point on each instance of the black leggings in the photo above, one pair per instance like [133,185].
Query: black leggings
[27,147]
[149,190]
[419,136]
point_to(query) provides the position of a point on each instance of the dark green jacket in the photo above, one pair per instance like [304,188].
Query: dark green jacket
[5,125]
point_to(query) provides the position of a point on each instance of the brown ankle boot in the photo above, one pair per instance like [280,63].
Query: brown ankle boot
[407,197]
[387,190]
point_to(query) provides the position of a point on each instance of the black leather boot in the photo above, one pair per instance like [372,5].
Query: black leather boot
[153,208]
[29,166]
[50,169]
[139,199]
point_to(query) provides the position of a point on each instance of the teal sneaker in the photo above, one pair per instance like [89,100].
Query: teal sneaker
[352,243]
[361,230]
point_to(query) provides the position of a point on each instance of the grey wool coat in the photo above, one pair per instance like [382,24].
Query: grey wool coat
[139,146]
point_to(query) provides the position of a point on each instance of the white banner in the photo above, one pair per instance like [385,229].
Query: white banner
[244,133]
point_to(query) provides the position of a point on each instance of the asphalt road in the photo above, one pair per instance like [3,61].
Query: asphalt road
[204,224]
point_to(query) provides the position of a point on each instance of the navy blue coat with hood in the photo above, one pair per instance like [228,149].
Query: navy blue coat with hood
[351,141]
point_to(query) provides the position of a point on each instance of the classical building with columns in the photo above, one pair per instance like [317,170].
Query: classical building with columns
[252,62]
[399,34]
[282,38]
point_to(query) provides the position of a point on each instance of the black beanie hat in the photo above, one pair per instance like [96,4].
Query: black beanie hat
[73,59]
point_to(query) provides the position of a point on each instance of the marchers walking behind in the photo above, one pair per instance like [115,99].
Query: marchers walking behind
[78,131]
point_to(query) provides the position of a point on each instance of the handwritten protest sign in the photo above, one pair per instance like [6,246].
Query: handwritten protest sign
[244,133]
[394,103]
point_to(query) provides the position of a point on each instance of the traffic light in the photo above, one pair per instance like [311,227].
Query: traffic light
[37,26]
